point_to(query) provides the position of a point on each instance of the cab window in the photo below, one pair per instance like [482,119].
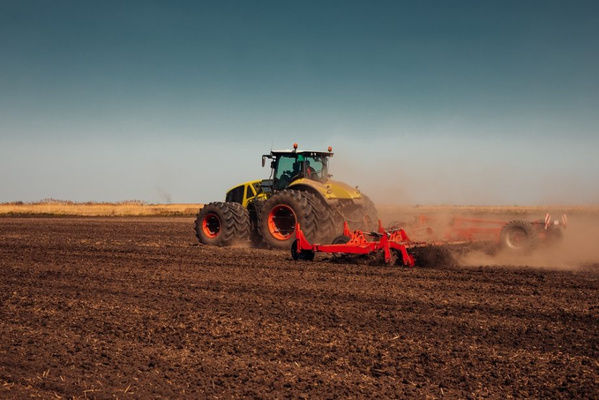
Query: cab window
[314,168]
[235,195]
[287,168]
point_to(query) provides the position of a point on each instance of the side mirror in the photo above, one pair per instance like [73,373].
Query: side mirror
[263,161]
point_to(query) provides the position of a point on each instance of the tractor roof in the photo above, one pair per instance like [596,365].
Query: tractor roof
[304,152]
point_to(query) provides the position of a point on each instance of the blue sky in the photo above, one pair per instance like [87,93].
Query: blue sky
[424,102]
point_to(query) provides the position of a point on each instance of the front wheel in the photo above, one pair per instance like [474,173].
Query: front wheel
[222,224]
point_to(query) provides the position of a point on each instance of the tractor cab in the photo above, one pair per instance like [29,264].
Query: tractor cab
[291,165]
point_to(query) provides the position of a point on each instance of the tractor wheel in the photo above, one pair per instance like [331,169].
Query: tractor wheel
[223,224]
[371,216]
[364,217]
[518,237]
[254,209]
[284,209]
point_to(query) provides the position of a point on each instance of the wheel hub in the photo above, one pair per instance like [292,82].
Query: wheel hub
[516,239]
[281,222]
[211,225]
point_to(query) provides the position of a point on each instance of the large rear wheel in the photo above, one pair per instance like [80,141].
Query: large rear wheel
[284,209]
[361,214]
[370,215]
[254,208]
[222,224]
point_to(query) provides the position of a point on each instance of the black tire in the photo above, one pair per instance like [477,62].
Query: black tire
[370,214]
[364,216]
[222,224]
[282,210]
[254,209]
[518,237]
[307,255]
[328,225]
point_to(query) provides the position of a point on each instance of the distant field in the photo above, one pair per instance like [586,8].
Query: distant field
[139,208]
[122,209]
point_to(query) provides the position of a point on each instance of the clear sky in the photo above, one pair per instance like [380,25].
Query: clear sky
[464,102]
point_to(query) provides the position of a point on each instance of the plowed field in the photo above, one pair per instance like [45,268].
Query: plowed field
[134,308]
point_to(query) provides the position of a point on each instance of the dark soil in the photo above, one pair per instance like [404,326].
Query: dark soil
[115,308]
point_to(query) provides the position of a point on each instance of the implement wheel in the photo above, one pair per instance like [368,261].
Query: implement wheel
[222,224]
[307,255]
[518,237]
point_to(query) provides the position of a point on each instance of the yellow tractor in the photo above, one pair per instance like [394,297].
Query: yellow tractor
[299,190]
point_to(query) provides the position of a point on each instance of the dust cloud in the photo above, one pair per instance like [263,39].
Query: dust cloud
[578,249]
[491,183]
[453,171]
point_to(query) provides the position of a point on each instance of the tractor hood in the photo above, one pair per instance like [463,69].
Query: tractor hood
[330,189]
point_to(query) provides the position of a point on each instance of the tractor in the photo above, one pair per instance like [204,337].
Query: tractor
[299,190]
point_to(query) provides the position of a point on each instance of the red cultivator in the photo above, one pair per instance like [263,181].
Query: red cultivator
[393,244]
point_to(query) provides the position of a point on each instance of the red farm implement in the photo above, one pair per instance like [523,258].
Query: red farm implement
[397,248]
[393,245]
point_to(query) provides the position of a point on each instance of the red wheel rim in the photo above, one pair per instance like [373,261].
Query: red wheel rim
[281,222]
[211,225]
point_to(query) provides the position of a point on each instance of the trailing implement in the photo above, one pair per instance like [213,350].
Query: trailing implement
[516,236]
[394,246]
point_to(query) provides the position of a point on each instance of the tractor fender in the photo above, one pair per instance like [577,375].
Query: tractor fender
[330,190]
